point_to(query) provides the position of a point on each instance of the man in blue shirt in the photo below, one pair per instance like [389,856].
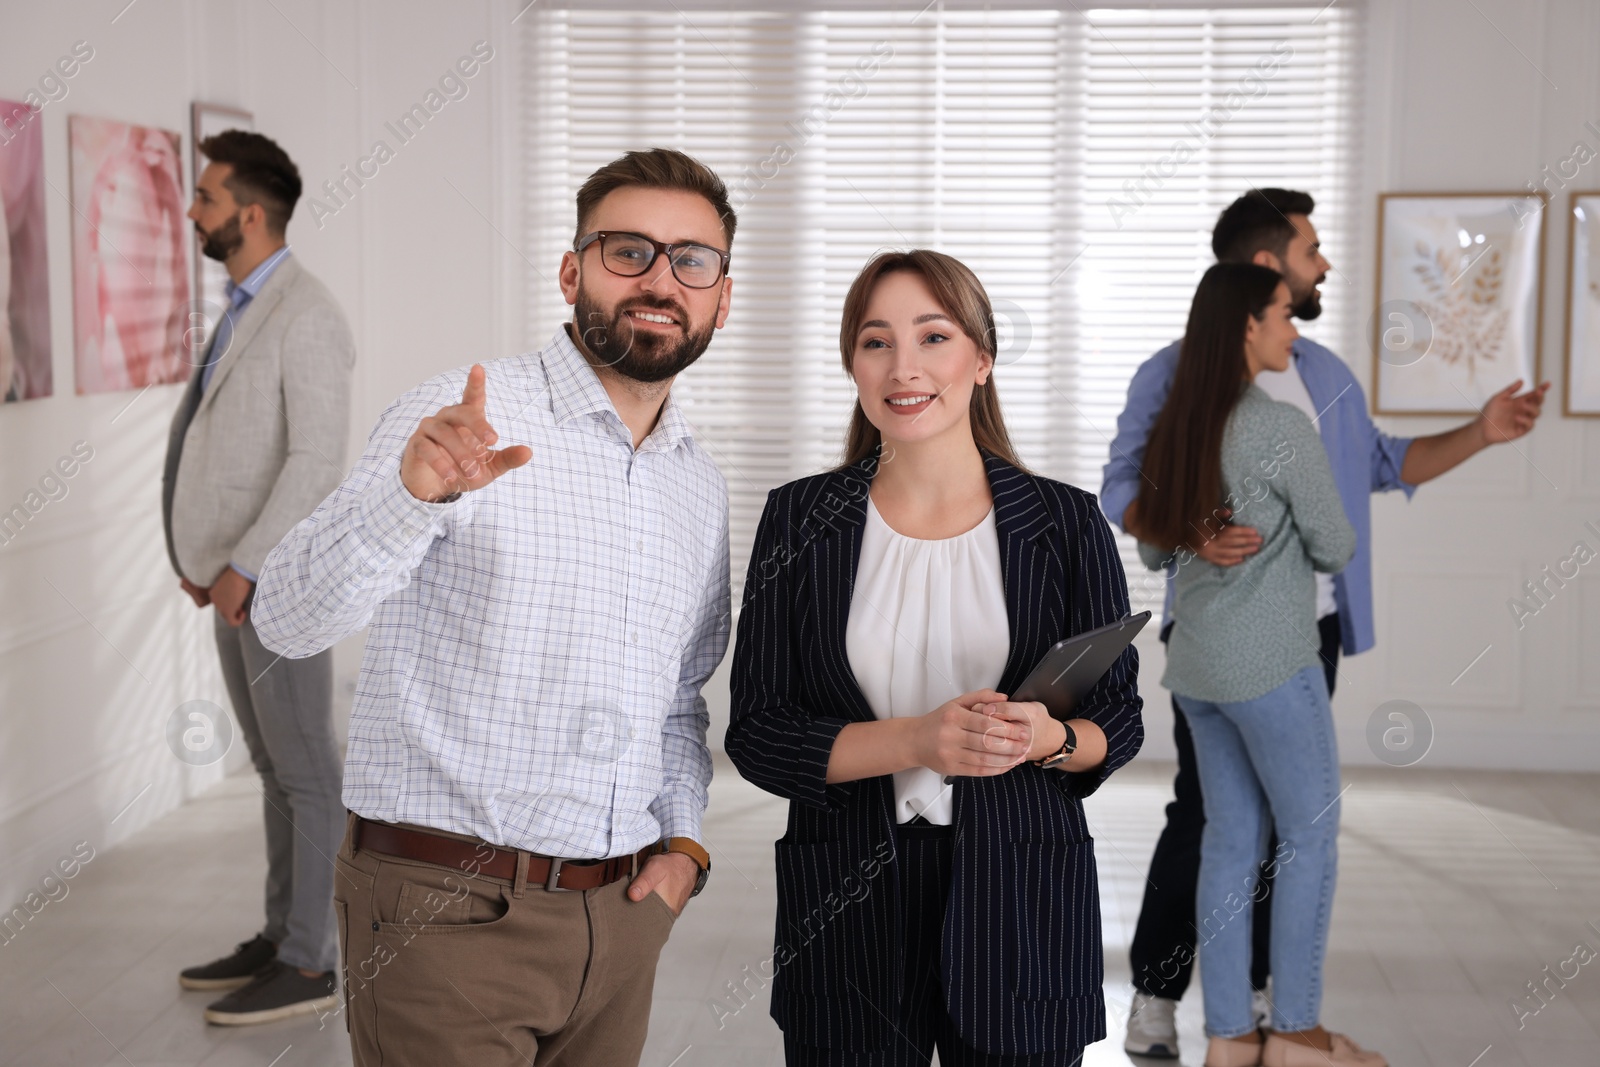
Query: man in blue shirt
[1272,227]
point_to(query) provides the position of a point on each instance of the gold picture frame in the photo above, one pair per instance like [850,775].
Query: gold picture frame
[1582,318]
[210,277]
[1438,347]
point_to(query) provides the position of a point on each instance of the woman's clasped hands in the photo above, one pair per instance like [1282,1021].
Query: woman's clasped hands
[980,734]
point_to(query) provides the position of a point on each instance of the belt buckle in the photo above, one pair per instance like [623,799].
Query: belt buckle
[550,886]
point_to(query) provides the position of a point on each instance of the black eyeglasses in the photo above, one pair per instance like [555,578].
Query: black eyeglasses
[631,254]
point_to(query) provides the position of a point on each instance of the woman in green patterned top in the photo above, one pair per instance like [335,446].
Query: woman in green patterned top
[1242,659]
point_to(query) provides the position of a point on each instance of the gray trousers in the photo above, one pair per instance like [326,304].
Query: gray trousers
[285,711]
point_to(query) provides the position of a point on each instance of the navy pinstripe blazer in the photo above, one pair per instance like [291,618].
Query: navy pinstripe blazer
[1021,950]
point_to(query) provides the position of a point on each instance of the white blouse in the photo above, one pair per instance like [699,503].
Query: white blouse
[927,623]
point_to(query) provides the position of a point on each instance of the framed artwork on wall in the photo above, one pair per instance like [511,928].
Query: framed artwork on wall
[210,277]
[130,272]
[1582,396]
[25,371]
[1459,294]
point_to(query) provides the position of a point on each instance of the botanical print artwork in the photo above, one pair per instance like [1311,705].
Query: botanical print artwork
[1583,310]
[1461,275]
[1469,318]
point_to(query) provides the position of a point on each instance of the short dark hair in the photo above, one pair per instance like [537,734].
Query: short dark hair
[262,174]
[1258,221]
[656,168]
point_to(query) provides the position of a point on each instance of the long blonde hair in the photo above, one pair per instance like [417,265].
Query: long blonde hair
[961,295]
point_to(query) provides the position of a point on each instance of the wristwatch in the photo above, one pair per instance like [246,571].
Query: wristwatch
[1064,753]
[691,848]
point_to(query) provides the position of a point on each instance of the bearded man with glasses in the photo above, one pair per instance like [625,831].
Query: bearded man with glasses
[542,551]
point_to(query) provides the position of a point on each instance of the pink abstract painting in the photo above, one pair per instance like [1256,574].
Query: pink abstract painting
[130,279]
[24,277]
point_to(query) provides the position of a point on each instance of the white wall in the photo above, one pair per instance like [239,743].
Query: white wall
[425,263]
[1469,97]
[91,669]
[1483,96]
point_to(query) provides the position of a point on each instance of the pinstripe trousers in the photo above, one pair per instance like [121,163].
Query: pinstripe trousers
[920,1021]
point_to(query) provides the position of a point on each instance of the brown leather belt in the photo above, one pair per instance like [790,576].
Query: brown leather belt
[555,873]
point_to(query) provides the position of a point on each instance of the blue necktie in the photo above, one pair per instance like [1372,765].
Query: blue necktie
[223,337]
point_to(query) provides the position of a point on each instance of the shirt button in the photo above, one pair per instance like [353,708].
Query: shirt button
[634,637]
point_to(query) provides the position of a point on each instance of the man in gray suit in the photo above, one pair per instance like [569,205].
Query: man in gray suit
[256,444]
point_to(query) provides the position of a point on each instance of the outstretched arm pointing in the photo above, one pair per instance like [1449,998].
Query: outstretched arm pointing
[450,451]
[363,543]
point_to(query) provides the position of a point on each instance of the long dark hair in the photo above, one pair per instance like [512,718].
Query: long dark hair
[961,295]
[1182,485]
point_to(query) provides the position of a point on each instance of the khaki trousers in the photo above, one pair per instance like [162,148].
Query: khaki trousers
[444,966]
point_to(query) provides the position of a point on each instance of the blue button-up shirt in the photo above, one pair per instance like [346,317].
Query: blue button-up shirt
[1364,460]
[239,297]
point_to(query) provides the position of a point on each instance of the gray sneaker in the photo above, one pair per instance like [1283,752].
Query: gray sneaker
[1152,1027]
[230,972]
[278,991]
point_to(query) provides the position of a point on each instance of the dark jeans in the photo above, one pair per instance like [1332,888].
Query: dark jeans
[1163,950]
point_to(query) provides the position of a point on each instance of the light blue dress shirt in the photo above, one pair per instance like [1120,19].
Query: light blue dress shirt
[1364,460]
[239,297]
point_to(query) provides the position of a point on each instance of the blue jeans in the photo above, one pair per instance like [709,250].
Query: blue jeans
[1267,762]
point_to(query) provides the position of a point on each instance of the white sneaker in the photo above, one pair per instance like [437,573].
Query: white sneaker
[1261,1006]
[1152,1029]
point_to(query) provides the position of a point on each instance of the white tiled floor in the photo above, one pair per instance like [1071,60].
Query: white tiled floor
[1456,889]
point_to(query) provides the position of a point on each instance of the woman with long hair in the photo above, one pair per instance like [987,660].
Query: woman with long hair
[1243,663]
[936,884]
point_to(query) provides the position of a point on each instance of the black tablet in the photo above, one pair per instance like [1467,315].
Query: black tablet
[1073,667]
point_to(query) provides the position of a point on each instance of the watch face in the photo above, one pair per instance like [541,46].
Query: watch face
[700,882]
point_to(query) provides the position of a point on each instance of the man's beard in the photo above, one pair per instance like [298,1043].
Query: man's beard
[221,242]
[1309,306]
[644,357]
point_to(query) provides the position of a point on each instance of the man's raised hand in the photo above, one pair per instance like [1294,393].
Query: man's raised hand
[1508,416]
[451,453]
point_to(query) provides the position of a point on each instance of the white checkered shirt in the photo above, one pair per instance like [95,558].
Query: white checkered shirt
[532,676]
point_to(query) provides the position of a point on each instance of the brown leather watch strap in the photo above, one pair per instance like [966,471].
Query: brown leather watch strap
[689,847]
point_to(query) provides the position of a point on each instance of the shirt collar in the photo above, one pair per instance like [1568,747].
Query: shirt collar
[672,428]
[575,390]
[257,278]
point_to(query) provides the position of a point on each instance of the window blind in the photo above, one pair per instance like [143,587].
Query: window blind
[1075,159]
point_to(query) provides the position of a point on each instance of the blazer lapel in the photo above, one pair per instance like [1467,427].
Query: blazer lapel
[248,323]
[1029,566]
[185,413]
[839,517]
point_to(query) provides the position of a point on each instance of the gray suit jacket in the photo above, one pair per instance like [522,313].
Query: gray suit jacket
[265,443]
